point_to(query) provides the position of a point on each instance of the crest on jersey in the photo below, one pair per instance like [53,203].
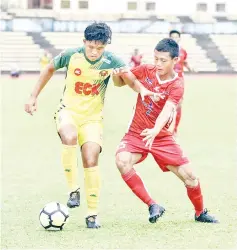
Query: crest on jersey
[103,73]
[77,72]
[149,81]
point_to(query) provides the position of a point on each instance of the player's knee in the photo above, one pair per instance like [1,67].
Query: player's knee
[190,179]
[123,163]
[68,137]
[90,161]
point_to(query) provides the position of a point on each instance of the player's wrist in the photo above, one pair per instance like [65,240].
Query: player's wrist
[34,96]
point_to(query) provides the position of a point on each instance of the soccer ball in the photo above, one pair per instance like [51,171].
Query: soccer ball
[53,216]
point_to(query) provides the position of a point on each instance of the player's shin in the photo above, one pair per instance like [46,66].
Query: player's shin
[136,184]
[92,188]
[69,162]
[195,196]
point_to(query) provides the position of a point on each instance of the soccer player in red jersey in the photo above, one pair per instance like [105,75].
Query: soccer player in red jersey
[136,58]
[179,68]
[149,132]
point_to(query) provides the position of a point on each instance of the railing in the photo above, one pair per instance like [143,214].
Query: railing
[49,24]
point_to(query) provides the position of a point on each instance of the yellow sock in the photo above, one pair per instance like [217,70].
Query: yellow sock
[92,188]
[69,162]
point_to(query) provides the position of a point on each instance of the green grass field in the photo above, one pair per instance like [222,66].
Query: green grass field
[32,175]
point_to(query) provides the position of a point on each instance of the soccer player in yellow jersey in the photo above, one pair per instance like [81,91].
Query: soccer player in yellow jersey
[80,113]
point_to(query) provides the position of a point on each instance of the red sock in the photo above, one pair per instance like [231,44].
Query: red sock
[137,186]
[195,196]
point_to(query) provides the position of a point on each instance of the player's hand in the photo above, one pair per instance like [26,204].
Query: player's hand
[31,105]
[120,71]
[149,136]
[145,92]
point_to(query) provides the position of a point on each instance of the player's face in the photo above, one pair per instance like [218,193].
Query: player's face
[175,37]
[164,63]
[94,49]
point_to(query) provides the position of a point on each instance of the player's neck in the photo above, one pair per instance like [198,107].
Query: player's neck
[167,77]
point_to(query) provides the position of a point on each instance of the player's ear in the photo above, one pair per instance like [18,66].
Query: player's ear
[175,60]
[84,41]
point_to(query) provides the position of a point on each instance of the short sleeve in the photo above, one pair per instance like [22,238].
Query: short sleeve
[139,71]
[176,93]
[62,60]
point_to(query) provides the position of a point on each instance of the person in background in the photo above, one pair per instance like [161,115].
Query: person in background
[136,59]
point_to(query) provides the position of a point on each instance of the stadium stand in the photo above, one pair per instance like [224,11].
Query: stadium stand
[123,44]
[227,44]
[213,52]
[207,53]
[18,48]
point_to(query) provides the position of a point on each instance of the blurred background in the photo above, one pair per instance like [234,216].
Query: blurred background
[32,29]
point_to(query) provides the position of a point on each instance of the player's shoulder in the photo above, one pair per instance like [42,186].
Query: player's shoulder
[178,82]
[112,59]
[183,50]
[109,57]
[149,67]
[146,67]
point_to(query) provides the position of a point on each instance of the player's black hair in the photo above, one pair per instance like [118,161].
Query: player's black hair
[174,32]
[168,45]
[98,32]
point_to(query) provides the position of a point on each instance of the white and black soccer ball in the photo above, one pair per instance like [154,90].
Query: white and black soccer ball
[53,216]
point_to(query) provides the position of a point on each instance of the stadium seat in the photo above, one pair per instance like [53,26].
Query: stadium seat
[227,44]
[17,47]
[144,42]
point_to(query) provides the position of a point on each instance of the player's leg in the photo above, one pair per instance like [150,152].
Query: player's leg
[169,156]
[67,131]
[90,139]
[194,192]
[128,154]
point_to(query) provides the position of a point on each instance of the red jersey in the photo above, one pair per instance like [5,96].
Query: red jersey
[179,66]
[147,111]
[136,60]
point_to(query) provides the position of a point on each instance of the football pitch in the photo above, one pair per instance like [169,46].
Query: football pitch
[32,175]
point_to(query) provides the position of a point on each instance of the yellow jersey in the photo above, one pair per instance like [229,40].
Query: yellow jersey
[86,81]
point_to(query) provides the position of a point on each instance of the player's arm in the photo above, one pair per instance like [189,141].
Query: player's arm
[167,112]
[123,76]
[119,68]
[187,66]
[163,118]
[58,62]
[116,76]
[131,80]
[128,78]
[44,77]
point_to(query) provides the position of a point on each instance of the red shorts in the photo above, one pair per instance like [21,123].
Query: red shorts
[164,150]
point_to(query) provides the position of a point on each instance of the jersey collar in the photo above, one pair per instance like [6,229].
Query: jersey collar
[165,81]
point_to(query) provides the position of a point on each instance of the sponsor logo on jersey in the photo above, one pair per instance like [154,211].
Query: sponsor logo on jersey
[77,72]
